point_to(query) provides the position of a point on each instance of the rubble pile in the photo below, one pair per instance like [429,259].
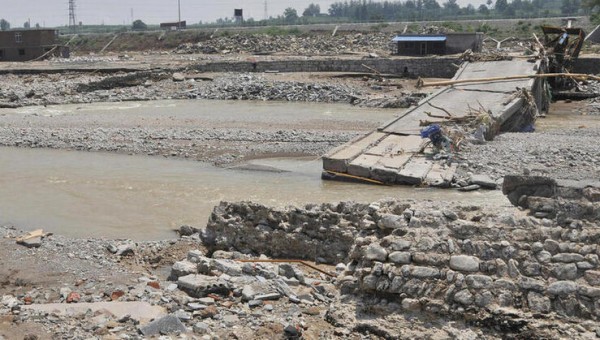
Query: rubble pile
[563,200]
[82,59]
[251,87]
[459,262]
[53,89]
[224,292]
[291,44]
[216,296]
[593,107]
[591,88]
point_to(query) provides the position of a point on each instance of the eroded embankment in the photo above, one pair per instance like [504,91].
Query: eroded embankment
[493,268]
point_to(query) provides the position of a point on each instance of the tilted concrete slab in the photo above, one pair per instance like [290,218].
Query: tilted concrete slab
[394,152]
[137,310]
[463,99]
[338,159]
[415,171]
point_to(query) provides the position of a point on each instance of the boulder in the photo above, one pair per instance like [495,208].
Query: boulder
[375,252]
[464,263]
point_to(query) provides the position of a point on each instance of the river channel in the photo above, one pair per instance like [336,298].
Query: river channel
[95,194]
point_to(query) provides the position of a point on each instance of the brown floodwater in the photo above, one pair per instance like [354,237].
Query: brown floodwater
[83,194]
[568,115]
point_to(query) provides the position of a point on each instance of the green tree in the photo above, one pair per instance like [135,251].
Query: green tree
[139,25]
[593,5]
[312,10]
[451,7]
[469,10]
[483,9]
[26,24]
[4,25]
[501,6]
[290,15]
[569,7]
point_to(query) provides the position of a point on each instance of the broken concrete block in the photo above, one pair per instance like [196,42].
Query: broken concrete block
[484,181]
[166,325]
[269,296]
[178,76]
[183,268]
[35,242]
[198,285]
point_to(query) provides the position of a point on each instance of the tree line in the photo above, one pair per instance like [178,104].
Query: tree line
[423,10]
[367,10]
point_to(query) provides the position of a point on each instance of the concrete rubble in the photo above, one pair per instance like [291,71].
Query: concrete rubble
[26,90]
[320,44]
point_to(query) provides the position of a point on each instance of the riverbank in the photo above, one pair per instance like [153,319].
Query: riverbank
[388,269]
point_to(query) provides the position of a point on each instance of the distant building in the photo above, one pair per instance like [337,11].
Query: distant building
[438,44]
[30,44]
[173,25]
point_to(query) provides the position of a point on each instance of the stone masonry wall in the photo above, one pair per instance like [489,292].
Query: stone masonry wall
[421,67]
[438,258]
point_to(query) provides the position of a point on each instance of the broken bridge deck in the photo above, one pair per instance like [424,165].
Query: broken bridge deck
[395,153]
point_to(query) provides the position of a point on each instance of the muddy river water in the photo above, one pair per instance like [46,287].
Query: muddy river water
[118,196]
[85,194]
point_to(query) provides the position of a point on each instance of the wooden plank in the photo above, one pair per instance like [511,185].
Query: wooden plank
[338,160]
[415,171]
[361,166]
[441,175]
[396,145]
[30,235]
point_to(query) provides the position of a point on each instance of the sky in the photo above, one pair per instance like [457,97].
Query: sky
[51,13]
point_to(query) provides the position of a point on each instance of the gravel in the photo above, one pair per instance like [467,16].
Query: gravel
[54,89]
[559,154]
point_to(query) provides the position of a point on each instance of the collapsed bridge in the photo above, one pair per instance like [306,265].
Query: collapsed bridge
[396,153]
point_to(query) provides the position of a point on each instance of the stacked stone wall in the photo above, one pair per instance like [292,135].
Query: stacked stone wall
[430,257]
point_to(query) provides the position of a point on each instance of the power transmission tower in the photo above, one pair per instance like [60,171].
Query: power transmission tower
[72,19]
[266,15]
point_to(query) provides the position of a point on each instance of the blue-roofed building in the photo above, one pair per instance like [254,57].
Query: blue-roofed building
[420,44]
[436,44]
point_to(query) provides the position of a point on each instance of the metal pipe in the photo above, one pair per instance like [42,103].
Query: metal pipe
[292,261]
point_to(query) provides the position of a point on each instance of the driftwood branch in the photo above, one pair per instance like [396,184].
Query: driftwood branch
[371,69]
[440,108]
[576,76]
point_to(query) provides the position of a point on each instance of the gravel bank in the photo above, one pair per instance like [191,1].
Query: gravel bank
[560,154]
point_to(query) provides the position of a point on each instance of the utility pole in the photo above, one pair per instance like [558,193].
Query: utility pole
[132,16]
[72,18]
